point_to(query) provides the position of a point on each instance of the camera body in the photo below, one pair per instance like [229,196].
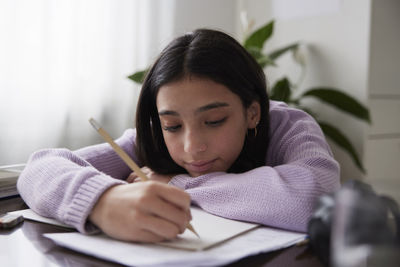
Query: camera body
[371,219]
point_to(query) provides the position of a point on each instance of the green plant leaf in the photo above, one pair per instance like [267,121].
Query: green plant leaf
[341,101]
[281,91]
[265,60]
[278,52]
[138,76]
[260,36]
[341,140]
[262,60]
[254,51]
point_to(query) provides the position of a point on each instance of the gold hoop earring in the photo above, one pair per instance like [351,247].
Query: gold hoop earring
[255,129]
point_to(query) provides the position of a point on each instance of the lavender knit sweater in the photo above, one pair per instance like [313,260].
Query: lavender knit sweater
[299,167]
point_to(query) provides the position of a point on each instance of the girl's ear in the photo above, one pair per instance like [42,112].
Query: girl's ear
[253,115]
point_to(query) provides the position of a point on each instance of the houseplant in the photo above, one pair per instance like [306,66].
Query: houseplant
[284,90]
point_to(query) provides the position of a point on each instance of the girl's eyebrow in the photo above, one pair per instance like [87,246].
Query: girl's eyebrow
[211,106]
[200,109]
[168,112]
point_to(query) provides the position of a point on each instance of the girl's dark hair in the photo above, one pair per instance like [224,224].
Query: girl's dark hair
[206,54]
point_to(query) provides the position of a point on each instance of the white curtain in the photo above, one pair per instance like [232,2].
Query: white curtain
[64,61]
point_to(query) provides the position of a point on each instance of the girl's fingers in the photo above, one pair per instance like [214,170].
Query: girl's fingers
[167,203]
[146,236]
[146,170]
[131,178]
[170,212]
[172,194]
[154,225]
[137,212]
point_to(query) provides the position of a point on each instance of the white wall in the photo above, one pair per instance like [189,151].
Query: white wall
[192,14]
[335,35]
[63,63]
[383,140]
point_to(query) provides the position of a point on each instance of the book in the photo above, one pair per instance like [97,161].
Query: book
[8,180]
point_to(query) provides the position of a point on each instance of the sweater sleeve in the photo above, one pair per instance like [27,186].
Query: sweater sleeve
[299,168]
[65,185]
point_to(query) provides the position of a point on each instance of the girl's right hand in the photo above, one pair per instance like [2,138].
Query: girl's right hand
[144,212]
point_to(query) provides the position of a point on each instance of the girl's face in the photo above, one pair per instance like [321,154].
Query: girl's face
[204,124]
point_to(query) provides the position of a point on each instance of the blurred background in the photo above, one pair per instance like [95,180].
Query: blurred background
[64,61]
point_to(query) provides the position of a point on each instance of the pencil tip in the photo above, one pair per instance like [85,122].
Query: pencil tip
[190,227]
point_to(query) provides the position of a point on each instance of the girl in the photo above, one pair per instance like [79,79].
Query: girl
[206,134]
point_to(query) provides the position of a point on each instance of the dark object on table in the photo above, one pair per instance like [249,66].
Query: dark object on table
[368,226]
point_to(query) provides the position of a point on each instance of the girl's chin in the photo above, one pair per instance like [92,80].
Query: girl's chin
[197,174]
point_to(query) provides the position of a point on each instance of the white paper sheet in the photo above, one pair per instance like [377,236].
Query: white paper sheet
[211,229]
[31,215]
[132,254]
[248,240]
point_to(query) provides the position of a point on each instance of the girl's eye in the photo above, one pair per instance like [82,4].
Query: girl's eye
[217,122]
[172,128]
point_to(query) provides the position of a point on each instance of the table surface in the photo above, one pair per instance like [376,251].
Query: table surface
[24,245]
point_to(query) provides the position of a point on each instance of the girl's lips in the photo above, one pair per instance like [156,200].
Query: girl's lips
[200,166]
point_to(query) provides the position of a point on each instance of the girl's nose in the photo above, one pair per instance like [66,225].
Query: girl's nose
[194,143]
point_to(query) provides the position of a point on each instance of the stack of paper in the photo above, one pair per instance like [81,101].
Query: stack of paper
[8,180]
[257,241]
[221,241]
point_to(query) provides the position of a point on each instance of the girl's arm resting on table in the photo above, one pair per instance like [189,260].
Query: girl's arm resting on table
[75,187]
[282,197]
[58,184]
[65,185]
[300,168]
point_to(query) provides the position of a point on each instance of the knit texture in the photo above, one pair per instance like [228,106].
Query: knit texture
[65,184]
